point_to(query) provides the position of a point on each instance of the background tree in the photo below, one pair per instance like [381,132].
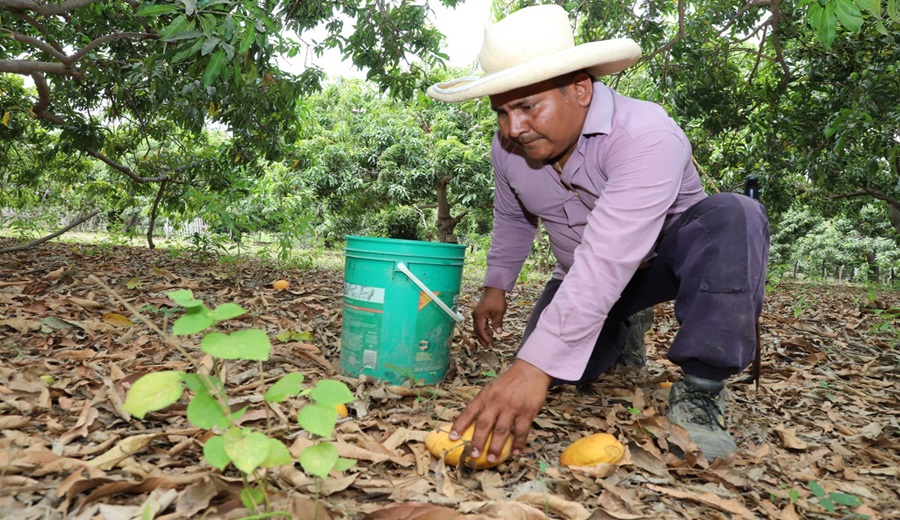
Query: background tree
[179,108]
[142,70]
[364,155]
[804,93]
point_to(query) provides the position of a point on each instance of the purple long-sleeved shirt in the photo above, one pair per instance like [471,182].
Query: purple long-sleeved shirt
[628,178]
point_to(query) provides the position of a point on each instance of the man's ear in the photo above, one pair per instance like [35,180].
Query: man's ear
[583,84]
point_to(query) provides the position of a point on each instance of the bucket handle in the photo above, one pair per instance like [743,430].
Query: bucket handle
[450,312]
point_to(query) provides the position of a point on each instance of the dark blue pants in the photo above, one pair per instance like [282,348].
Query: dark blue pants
[712,261]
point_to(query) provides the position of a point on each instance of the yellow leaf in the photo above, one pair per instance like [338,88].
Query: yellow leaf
[134,282]
[117,319]
[212,108]
[121,451]
[5,119]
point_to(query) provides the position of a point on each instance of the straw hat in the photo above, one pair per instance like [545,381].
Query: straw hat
[532,45]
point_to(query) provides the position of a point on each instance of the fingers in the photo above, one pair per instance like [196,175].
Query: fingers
[504,408]
[461,424]
[483,330]
[498,440]
[497,322]
[521,428]
[484,417]
[488,315]
[486,325]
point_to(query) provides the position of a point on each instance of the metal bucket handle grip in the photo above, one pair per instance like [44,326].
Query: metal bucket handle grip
[450,312]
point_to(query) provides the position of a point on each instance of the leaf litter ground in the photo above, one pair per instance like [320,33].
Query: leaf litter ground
[819,439]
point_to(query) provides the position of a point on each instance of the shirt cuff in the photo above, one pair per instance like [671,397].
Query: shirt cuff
[556,359]
[500,279]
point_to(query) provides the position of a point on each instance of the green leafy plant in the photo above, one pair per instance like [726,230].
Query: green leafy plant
[802,305]
[829,501]
[886,322]
[250,451]
[207,246]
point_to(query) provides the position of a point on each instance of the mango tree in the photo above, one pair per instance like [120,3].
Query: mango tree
[127,83]
[365,156]
[803,93]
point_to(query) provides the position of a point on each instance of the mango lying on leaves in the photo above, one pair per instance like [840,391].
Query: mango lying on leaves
[439,444]
[593,449]
[280,285]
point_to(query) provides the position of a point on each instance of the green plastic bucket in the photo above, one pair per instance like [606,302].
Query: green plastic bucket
[392,328]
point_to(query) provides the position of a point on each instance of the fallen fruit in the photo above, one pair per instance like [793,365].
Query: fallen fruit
[593,449]
[342,410]
[280,285]
[439,444]
[665,385]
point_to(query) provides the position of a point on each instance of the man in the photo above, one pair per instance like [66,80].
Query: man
[611,179]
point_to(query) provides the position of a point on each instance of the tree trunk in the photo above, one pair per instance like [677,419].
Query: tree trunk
[153,214]
[874,271]
[894,212]
[445,222]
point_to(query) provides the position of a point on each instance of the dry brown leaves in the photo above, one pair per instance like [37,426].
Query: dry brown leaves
[826,411]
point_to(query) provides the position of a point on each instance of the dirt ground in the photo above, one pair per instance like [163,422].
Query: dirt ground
[818,439]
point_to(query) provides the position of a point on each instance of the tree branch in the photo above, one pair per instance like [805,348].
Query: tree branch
[759,56]
[34,42]
[875,194]
[41,240]
[776,43]
[41,28]
[756,53]
[109,37]
[26,67]
[124,169]
[40,108]
[744,8]
[45,9]
[678,36]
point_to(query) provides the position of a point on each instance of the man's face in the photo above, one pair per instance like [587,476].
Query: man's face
[544,119]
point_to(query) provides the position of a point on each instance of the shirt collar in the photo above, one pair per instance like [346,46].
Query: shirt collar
[600,114]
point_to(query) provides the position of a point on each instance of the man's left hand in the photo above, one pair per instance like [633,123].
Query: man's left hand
[506,406]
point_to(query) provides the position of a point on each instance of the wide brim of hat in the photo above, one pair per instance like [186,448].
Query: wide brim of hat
[599,58]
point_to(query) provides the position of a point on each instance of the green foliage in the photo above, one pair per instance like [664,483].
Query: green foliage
[829,501]
[806,94]
[153,392]
[887,321]
[248,450]
[826,16]
[377,165]
[805,241]
[402,222]
[133,91]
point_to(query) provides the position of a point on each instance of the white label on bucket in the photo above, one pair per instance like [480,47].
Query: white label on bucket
[370,359]
[364,293]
